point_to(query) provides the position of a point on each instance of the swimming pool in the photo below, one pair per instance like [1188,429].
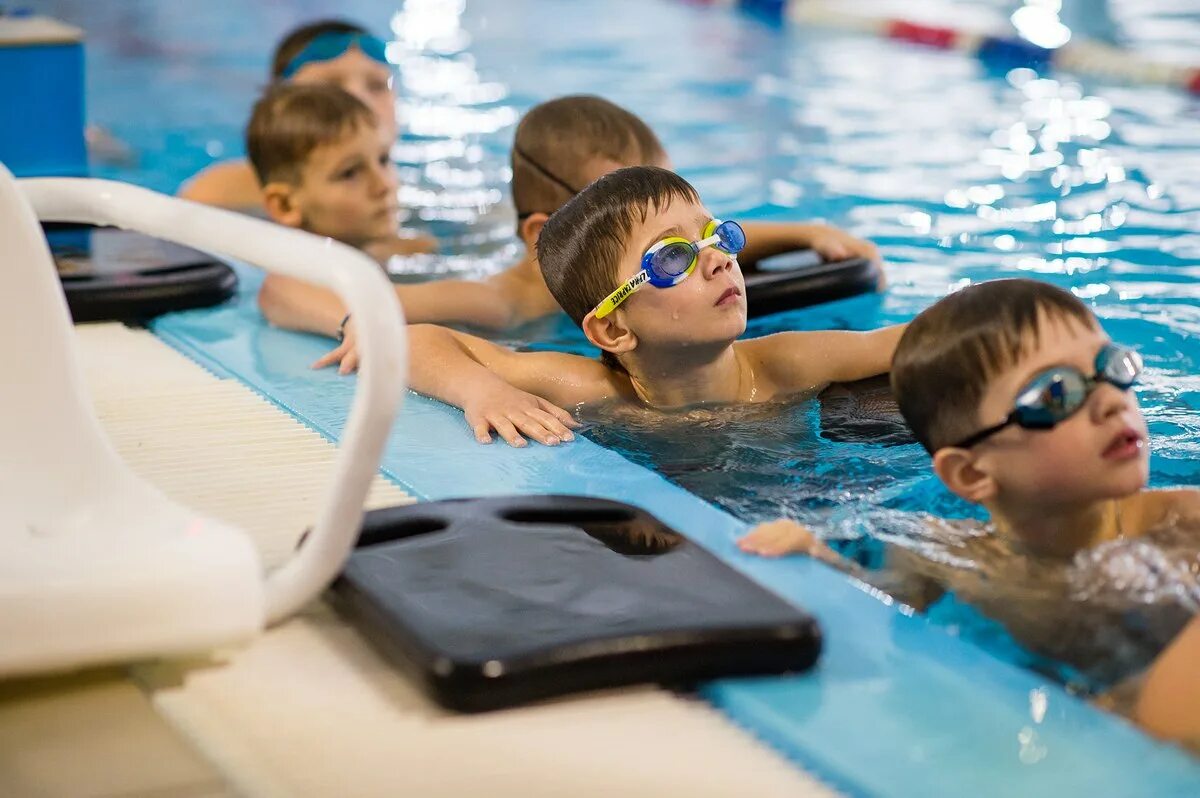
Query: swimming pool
[974,176]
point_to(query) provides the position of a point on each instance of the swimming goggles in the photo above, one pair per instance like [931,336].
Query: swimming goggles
[332,44]
[671,260]
[1056,394]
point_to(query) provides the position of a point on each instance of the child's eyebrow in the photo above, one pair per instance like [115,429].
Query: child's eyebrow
[674,230]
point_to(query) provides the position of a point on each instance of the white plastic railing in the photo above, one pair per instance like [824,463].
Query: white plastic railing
[368,295]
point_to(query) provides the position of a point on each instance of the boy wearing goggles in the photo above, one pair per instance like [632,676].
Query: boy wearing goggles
[1026,408]
[654,282]
[560,147]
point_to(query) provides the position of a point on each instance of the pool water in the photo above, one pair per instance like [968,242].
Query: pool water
[958,171]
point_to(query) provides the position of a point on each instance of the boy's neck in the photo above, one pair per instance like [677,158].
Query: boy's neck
[697,374]
[1059,531]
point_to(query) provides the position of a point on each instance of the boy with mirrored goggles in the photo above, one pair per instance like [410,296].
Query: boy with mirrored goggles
[1027,408]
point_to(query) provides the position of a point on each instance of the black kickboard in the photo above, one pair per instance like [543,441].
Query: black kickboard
[494,602]
[119,275]
[771,287]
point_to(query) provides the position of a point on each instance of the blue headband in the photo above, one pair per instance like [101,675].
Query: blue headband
[330,45]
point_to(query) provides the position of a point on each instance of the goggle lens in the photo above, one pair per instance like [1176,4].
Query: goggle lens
[1119,365]
[1050,398]
[733,237]
[673,259]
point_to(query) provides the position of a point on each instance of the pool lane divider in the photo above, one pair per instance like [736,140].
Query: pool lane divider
[1005,51]
[896,706]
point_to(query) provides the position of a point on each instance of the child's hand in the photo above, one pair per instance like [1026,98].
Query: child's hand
[511,411]
[777,538]
[835,244]
[346,353]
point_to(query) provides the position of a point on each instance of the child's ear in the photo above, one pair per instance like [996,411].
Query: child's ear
[530,228]
[281,203]
[959,472]
[609,333]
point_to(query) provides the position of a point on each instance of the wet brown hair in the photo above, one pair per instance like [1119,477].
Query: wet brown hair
[557,140]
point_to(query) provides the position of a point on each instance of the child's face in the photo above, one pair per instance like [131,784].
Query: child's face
[365,78]
[1098,453]
[708,307]
[348,188]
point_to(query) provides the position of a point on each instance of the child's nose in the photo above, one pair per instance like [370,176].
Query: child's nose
[1109,400]
[386,179]
[714,262]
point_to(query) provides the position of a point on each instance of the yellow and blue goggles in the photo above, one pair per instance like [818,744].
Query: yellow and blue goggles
[332,44]
[670,261]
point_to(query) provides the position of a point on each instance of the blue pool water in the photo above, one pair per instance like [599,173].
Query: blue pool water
[957,172]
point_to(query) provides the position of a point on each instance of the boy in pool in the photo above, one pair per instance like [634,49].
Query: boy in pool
[560,146]
[324,52]
[668,332]
[1025,406]
[322,158]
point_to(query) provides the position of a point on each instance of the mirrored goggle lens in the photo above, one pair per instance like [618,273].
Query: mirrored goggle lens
[1119,365]
[1050,398]
[672,260]
[733,238]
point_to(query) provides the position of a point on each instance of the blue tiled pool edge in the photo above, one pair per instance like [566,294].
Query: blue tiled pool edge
[896,707]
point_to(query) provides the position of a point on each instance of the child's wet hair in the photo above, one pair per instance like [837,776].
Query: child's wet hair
[296,40]
[582,243]
[557,140]
[952,350]
[290,121]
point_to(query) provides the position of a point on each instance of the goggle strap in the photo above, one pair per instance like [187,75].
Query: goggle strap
[613,300]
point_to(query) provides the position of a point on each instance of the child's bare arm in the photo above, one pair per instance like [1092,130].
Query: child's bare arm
[412,244]
[1169,703]
[900,579]
[803,361]
[764,239]
[298,305]
[512,297]
[501,389]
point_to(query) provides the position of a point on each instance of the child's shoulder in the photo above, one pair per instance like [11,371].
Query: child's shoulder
[1154,508]
[581,378]
[227,184]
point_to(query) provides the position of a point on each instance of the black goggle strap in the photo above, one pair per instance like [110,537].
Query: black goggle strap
[544,172]
[984,434]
